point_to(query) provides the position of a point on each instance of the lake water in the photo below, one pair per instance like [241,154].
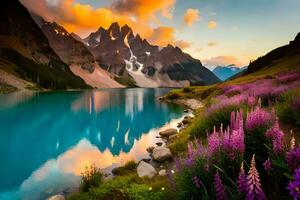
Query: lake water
[47,139]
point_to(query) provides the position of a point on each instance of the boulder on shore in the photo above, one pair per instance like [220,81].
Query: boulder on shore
[162,172]
[187,120]
[161,154]
[145,169]
[56,197]
[167,133]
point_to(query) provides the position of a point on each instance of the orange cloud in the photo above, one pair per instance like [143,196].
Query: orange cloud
[191,16]
[211,44]
[162,36]
[182,44]
[84,19]
[145,9]
[212,24]
[222,61]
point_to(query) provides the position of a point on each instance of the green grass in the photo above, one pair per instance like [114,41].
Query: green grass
[127,187]
[128,168]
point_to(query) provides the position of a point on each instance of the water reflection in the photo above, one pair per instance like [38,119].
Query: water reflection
[48,139]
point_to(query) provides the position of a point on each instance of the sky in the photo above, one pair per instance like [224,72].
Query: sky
[218,32]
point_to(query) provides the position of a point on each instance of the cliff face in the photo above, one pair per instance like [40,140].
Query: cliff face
[124,54]
[25,51]
[77,56]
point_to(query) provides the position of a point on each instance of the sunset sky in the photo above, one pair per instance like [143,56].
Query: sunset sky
[214,31]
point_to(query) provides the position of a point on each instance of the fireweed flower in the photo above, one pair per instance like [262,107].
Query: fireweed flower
[230,140]
[293,141]
[190,157]
[277,137]
[257,117]
[268,165]
[293,158]
[254,188]
[171,179]
[197,182]
[220,191]
[294,186]
[242,181]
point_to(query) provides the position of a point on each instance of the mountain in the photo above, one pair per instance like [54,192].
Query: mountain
[225,72]
[81,62]
[285,57]
[25,52]
[136,62]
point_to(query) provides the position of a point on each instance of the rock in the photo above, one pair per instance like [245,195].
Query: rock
[145,169]
[187,119]
[161,154]
[56,197]
[162,172]
[150,149]
[167,133]
[159,144]
[179,124]
[172,138]
[186,111]
[147,160]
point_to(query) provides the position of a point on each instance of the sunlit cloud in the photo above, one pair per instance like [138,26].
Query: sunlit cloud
[182,44]
[84,19]
[191,16]
[144,9]
[212,24]
[211,44]
[223,61]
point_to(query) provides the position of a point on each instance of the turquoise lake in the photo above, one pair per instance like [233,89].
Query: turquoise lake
[48,138]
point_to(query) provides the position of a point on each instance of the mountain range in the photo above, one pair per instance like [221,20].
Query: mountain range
[45,54]
[225,72]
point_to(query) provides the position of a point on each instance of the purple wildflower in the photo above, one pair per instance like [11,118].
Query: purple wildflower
[257,118]
[277,137]
[253,183]
[293,158]
[288,76]
[268,165]
[230,140]
[242,181]
[178,164]
[190,157]
[296,103]
[293,141]
[294,186]
[251,101]
[171,179]
[197,182]
[219,188]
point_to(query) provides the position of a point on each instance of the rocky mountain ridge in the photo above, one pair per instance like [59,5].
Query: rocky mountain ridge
[126,55]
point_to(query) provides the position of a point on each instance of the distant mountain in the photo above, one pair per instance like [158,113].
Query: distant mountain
[225,72]
[136,62]
[26,53]
[284,57]
[77,56]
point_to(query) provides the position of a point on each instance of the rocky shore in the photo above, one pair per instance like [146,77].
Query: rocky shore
[161,156]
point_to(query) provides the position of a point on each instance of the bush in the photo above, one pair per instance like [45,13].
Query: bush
[204,123]
[92,177]
[126,169]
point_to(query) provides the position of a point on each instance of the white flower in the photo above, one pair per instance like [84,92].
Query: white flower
[162,188]
[172,171]
[150,188]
